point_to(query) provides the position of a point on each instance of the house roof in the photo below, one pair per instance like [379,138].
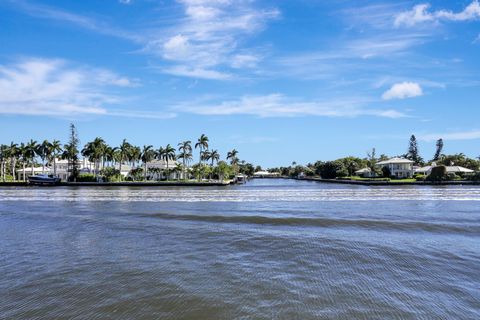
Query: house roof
[35,169]
[395,161]
[458,169]
[450,169]
[364,170]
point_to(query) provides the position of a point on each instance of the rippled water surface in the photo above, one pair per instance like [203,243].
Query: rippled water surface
[271,249]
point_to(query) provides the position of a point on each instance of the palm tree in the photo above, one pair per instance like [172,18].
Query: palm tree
[3,160]
[232,155]
[22,152]
[94,151]
[214,156]
[42,151]
[185,148]
[168,154]
[55,151]
[123,152]
[160,154]
[202,144]
[31,151]
[148,154]
[134,155]
[13,153]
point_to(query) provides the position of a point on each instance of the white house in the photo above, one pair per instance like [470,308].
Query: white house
[365,172]
[265,174]
[28,172]
[161,166]
[450,169]
[399,167]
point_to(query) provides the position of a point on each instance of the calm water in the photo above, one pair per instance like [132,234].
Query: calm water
[267,250]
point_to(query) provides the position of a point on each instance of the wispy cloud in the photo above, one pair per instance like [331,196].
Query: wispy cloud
[54,87]
[208,38]
[52,13]
[278,105]
[421,14]
[459,135]
[403,90]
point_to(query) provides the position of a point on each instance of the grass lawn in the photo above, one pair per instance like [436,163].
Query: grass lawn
[355,178]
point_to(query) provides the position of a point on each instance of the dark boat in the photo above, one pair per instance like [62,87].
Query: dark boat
[44,179]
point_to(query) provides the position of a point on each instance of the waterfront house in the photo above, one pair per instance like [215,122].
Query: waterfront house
[157,170]
[365,173]
[21,175]
[450,169]
[399,167]
[265,174]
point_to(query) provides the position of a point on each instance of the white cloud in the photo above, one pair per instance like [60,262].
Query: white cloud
[241,61]
[403,90]
[125,1]
[209,37]
[421,14]
[54,87]
[199,73]
[48,12]
[277,105]
[459,135]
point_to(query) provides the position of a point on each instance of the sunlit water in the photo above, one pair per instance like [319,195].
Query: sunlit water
[271,249]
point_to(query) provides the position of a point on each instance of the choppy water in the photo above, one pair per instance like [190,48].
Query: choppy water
[271,249]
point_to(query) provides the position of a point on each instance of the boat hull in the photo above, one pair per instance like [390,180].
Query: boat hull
[41,181]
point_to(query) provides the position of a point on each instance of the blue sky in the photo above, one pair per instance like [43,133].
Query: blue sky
[280,81]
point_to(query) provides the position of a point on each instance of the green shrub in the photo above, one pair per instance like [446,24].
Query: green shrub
[386,173]
[86,177]
[475,177]
[420,177]
[438,173]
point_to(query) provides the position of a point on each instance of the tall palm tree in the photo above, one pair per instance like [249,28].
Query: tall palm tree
[232,155]
[31,152]
[148,154]
[169,154]
[42,151]
[134,155]
[202,144]
[22,153]
[185,148]
[123,151]
[214,156]
[3,160]
[13,153]
[55,152]
[94,151]
[160,155]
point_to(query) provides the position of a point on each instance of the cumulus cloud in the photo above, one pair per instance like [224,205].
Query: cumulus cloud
[403,90]
[278,105]
[420,14]
[54,87]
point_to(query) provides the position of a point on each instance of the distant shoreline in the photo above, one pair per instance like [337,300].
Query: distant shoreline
[121,184]
[388,183]
[227,183]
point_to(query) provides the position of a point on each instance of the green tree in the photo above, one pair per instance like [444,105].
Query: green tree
[123,153]
[185,149]
[202,144]
[14,153]
[413,153]
[148,154]
[70,153]
[439,150]
[31,152]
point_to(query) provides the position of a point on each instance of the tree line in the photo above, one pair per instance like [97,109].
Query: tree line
[108,160]
[347,166]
